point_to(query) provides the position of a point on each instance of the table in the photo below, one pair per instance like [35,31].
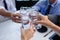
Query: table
[11,31]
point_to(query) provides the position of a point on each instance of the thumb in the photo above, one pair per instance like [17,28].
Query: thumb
[39,21]
[31,27]
[18,15]
[40,16]
[22,30]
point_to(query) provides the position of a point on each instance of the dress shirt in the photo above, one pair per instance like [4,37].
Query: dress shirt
[10,6]
[43,5]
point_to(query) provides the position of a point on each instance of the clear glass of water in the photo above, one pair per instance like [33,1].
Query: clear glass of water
[25,17]
[33,16]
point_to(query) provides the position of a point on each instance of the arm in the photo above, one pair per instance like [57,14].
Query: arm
[45,21]
[5,13]
[55,19]
[54,27]
[38,5]
[10,15]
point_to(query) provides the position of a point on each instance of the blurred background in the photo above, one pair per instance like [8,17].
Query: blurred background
[24,3]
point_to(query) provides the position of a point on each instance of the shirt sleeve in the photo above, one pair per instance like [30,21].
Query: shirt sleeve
[38,5]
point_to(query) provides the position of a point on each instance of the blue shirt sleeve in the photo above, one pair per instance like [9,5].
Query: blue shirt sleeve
[38,5]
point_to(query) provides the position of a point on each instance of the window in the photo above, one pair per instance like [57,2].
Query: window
[27,0]
[25,3]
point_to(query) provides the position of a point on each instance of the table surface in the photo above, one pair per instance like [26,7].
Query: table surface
[11,31]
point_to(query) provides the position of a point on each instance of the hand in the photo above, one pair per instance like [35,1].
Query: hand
[16,18]
[41,19]
[26,34]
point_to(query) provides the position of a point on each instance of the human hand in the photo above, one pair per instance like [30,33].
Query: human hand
[16,18]
[41,19]
[26,34]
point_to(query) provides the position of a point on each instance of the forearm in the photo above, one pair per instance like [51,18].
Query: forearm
[5,13]
[54,27]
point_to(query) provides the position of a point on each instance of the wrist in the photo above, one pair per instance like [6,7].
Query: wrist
[11,15]
[25,39]
[50,24]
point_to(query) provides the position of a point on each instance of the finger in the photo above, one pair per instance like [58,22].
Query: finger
[39,21]
[14,18]
[22,30]
[16,15]
[31,26]
[22,26]
[40,16]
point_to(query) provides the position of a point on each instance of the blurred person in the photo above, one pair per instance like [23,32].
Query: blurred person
[47,7]
[8,11]
[10,15]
